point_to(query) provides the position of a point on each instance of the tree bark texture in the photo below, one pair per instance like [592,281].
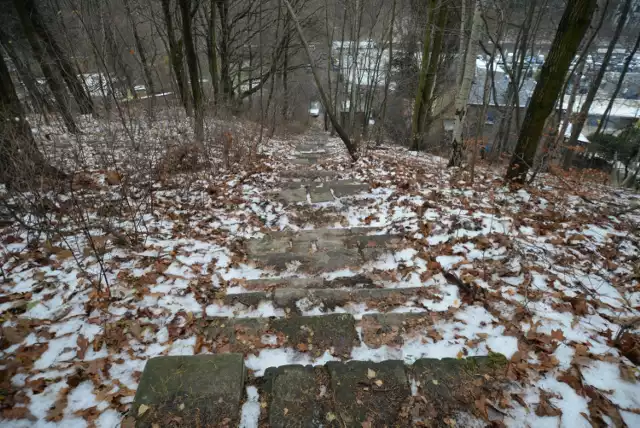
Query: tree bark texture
[462,98]
[577,126]
[572,28]
[60,61]
[192,63]
[54,81]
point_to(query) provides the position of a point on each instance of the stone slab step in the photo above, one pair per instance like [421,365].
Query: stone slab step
[310,147]
[320,249]
[328,299]
[378,329]
[295,299]
[308,173]
[368,392]
[207,390]
[201,389]
[320,191]
[355,281]
[316,335]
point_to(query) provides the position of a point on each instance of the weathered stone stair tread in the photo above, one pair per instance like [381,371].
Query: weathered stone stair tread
[320,249]
[339,394]
[366,391]
[329,298]
[310,282]
[449,384]
[321,184]
[309,173]
[313,234]
[314,334]
[293,397]
[201,389]
[306,147]
[320,191]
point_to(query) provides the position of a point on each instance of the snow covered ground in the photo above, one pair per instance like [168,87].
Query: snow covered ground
[547,276]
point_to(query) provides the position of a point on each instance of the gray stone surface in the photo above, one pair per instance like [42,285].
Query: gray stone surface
[313,334]
[320,191]
[390,329]
[292,196]
[309,147]
[452,385]
[355,281]
[200,389]
[293,397]
[303,161]
[317,334]
[308,173]
[319,249]
[360,397]
[330,298]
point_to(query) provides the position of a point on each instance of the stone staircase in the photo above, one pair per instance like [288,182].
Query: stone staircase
[217,390]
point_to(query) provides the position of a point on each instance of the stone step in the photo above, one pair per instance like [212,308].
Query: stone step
[191,389]
[207,390]
[310,147]
[355,281]
[320,191]
[296,299]
[336,331]
[333,333]
[311,174]
[320,249]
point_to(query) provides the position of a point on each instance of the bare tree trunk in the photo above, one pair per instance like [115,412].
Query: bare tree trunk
[60,60]
[576,128]
[351,148]
[141,51]
[225,60]
[117,62]
[53,80]
[340,66]
[39,100]
[20,158]
[285,77]
[175,54]
[486,96]
[212,46]
[465,88]
[419,104]
[387,79]
[625,68]
[463,46]
[572,28]
[192,63]
[434,63]
[565,124]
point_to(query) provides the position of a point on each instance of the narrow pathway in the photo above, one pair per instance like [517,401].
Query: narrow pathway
[210,389]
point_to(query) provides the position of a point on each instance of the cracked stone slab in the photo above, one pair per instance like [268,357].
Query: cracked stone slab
[320,191]
[197,389]
[320,249]
[355,281]
[303,161]
[335,333]
[390,329]
[331,298]
[452,385]
[368,392]
[293,397]
[308,173]
[309,147]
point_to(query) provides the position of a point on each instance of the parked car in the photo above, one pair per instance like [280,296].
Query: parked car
[314,109]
